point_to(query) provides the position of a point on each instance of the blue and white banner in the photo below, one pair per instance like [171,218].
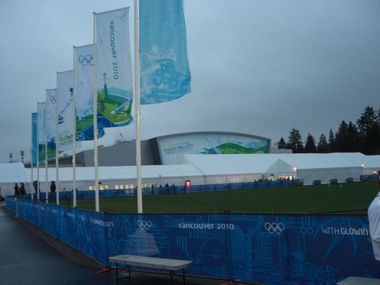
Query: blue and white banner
[84,99]
[34,138]
[51,122]
[113,69]
[65,109]
[41,135]
[165,73]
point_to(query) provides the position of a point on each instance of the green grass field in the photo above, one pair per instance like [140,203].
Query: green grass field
[349,198]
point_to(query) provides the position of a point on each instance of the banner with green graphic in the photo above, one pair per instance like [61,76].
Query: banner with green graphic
[84,101]
[41,135]
[65,109]
[113,69]
[51,122]
[172,148]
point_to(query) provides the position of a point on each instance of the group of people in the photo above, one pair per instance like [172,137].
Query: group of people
[19,190]
[53,187]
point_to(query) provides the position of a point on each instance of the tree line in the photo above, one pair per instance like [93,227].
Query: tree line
[364,136]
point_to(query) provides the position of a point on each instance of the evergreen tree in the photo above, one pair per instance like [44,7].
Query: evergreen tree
[281,143]
[310,144]
[352,138]
[323,146]
[331,141]
[367,121]
[368,128]
[295,141]
[341,137]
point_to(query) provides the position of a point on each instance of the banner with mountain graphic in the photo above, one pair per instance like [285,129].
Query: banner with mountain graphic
[165,73]
[84,99]
[41,136]
[113,69]
[65,109]
[51,122]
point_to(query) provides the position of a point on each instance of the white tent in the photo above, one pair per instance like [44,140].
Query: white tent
[304,166]
[280,169]
[11,173]
[205,169]
[121,177]
[231,168]
[324,167]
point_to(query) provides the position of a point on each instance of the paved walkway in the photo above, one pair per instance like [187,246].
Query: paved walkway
[28,256]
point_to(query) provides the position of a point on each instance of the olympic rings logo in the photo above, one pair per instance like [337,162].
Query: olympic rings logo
[52,98]
[144,225]
[274,228]
[85,60]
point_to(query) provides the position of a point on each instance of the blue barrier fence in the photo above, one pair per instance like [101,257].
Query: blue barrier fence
[272,249]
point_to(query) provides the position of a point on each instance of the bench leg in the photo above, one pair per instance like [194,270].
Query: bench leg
[175,273]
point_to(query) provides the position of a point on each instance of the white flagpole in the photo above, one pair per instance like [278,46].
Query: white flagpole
[137,107]
[46,162]
[31,163]
[31,171]
[38,163]
[74,134]
[95,99]
[56,147]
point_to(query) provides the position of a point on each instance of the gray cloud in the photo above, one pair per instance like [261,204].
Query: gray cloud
[261,66]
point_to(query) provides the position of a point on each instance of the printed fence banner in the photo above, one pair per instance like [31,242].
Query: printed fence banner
[83,72]
[34,138]
[51,122]
[165,73]
[113,69]
[65,109]
[41,136]
[269,249]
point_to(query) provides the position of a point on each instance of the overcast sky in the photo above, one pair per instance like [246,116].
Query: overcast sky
[258,66]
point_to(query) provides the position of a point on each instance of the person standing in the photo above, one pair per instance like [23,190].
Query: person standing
[52,187]
[374,225]
[17,191]
[1,197]
[22,189]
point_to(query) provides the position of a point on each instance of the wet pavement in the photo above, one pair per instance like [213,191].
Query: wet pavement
[28,256]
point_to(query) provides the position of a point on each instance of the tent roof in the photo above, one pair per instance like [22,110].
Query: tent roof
[261,163]
[281,167]
[119,172]
[12,172]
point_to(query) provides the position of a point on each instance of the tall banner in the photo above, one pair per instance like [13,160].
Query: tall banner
[41,137]
[65,109]
[34,138]
[51,122]
[83,62]
[113,69]
[165,73]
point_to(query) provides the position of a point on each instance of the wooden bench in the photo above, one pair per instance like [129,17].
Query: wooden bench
[172,265]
